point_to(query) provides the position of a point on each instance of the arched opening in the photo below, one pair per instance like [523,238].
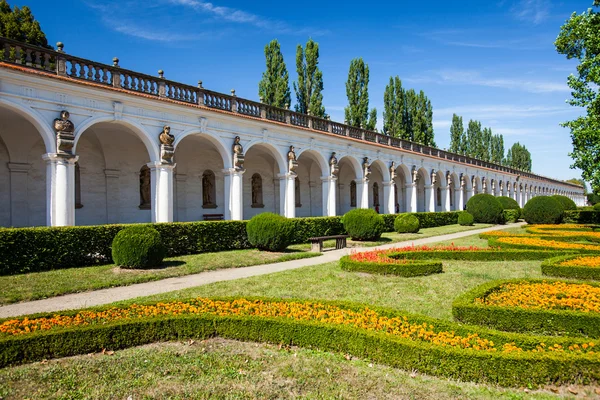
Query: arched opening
[260,162]
[298,194]
[376,186]
[145,188]
[401,204]
[257,191]
[438,185]
[454,192]
[309,196]
[347,193]
[477,188]
[422,181]
[209,192]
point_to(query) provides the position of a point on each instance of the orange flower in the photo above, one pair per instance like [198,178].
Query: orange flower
[590,261]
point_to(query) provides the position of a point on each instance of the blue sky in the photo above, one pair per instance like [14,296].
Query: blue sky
[488,60]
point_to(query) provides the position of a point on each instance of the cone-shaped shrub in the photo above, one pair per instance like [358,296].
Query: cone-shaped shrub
[565,202]
[543,210]
[485,209]
[508,203]
[406,223]
[271,232]
[138,246]
[363,224]
[465,219]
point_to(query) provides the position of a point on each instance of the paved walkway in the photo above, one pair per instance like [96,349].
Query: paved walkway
[105,296]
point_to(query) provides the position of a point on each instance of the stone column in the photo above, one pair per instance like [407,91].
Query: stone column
[446,198]
[161,178]
[469,195]
[234,194]
[362,193]
[180,208]
[287,195]
[19,204]
[430,198]
[60,189]
[411,197]
[329,184]
[389,200]
[515,194]
[521,196]
[112,195]
[461,200]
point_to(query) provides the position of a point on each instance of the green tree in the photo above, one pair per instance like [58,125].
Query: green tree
[486,144]
[497,149]
[519,157]
[372,121]
[474,137]
[357,91]
[309,90]
[20,24]
[579,38]
[410,111]
[457,132]
[394,108]
[422,120]
[579,182]
[274,87]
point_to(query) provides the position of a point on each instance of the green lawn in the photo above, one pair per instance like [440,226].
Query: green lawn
[40,285]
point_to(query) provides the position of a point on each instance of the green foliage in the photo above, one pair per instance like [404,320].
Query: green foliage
[363,224]
[274,87]
[552,267]
[511,216]
[597,207]
[412,268]
[485,208]
[508,203]
[271,232]
[565,202]
[593,198]
[582,217]
[543,210]
[579,39]
[519,157]
[309,90]
[497,149]
[357,91]
[20,24]
[554,322]
[394,107]
[138,246]
[305,228]
[475,139]
[579,182]
[457,135]
[477,255]
[426,219]
[465,219]
[406,223]
[502,369]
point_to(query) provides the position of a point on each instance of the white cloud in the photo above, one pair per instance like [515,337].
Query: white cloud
[495,112]
[534,11]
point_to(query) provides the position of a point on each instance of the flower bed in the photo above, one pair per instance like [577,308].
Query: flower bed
[573,266]
[534,243]
[380,262]
[569,308]
[386,336]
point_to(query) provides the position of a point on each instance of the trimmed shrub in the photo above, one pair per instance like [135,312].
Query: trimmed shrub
[581,217]
[408,269]
[138,246]
[515,319]
[304,228]
[465,219]
[486,209]
[271,232]
[476,255]
[552,267]
[597,207]
[363,224]
[426,219]
[511,216]
[565,202]
[508,203]
[406,223]
[543,210]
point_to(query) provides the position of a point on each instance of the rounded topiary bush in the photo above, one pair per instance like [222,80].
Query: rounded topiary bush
[406,223]
[465,218]
[485,208]
[363,224]
[597,206]
[508,203]
[543,210]
[138,246]
[565,202]
[271,232]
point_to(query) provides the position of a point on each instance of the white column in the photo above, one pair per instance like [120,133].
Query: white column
[521,197]
[389,200]
[469,195]
[461,200]
[430,198]
[60,189]
[19,212]
[234,194]
[287,195]
[362,193]
[161,178]
[113,195]
[411,197]
[515,194]
[446,198]
[329,184]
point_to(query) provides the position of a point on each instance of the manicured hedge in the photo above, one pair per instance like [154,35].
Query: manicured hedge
[508,203]
[465,219]
[411,268]
[511,216]
[565,202]
[426,219]
[543,210]
[582,217]
[485,208]
[363,224]
[474,255]
[406,223]
[515,319]
[269,231]
[551,267]
[512,369]
[138,246]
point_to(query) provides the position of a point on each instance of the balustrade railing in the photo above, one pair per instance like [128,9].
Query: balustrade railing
[63,64]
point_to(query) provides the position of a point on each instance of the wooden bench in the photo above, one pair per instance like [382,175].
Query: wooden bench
[213,217]
[316,243]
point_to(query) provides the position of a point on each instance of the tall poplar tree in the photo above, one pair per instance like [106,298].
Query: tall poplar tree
[20,24]
[519,157]
[486,144]
[474,136]
[456,134]
[357,91]
[394,108]
[274,87]
[309,89]
[410,111]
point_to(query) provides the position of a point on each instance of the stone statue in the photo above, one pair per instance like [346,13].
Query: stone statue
[166,145]
[433,177]
[65,137]
[366,168]
[238,154]
[333,165]
[392,171]
[353,194]
[449,180]
[145,196]
[208,186]
[484,185]
[292,162]
[376,194]
[463,181]
[415,174]
[257,191]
